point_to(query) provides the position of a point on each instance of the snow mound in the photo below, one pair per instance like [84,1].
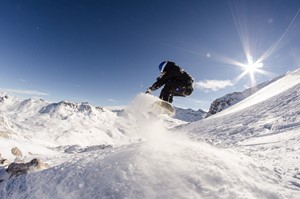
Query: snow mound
[168,165]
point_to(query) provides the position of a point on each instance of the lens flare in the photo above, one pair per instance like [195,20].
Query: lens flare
[252,66]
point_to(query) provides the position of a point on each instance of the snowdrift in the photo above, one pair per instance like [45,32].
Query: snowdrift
[172,167]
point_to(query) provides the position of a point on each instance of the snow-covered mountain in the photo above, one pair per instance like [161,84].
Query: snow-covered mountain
[64,123]
[232,98]
[189,115]
[35,119]
[249,150]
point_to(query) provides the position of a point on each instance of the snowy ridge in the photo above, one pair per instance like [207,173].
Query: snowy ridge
[224,102]
[230,99]
[284,83]
[53,124]
[189,115]
[4,123]
[249,150]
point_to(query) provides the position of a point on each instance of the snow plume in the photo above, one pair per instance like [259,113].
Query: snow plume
[140,116]
[145,122]
[150,127]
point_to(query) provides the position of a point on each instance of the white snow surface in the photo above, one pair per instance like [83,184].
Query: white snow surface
[248,151]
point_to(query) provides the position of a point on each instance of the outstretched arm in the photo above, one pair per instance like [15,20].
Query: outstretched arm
[159,82]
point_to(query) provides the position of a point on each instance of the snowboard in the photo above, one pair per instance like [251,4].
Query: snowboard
[162,107]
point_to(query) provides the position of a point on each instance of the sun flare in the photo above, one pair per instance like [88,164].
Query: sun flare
[252,67]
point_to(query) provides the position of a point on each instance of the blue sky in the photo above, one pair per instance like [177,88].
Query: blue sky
[106,52]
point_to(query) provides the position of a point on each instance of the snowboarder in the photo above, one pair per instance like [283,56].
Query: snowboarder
[177,82]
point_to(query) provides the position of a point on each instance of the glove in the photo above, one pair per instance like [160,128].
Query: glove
[149,91]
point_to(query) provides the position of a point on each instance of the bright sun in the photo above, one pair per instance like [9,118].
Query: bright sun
[252,67]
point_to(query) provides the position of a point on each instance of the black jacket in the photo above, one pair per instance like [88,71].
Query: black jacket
[172,72]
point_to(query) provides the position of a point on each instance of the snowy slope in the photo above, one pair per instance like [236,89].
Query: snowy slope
[173,167]
[288,81]
[230,99]
[265,126]
[250,150]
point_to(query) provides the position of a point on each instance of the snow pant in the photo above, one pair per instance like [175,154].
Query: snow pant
[175,88]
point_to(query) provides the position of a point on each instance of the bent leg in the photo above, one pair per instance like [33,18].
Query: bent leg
[175,88]
[166,93]
[183,91]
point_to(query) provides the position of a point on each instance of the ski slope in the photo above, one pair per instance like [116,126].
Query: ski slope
[250,150]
